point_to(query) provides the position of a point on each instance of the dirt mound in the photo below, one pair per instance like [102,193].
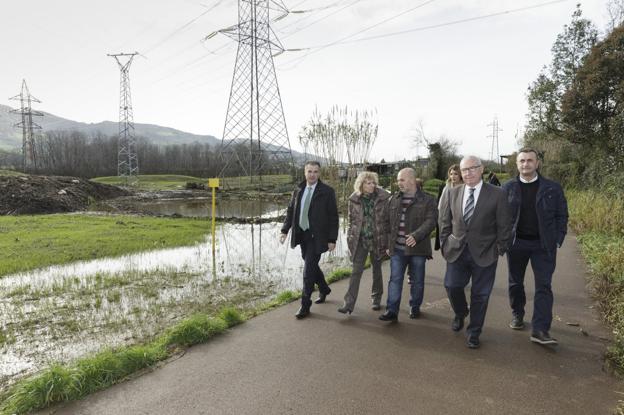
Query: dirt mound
[21,195]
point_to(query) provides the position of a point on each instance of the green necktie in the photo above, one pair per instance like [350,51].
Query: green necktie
[304,223]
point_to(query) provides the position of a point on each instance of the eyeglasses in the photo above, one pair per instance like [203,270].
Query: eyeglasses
[470,169]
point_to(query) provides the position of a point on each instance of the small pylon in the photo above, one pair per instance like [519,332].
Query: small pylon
[28,126]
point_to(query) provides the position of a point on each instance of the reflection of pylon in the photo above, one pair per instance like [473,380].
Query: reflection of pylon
[127,160]
[29,154]
[494,152]
[255,139]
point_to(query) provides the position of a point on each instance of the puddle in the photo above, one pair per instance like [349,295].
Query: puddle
[63,312]
[202,207]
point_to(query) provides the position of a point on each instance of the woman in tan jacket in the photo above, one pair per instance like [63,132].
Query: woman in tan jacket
[366,235]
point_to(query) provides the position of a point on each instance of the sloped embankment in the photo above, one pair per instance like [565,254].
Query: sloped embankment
[21,195]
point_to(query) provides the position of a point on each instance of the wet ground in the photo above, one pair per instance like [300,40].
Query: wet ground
[64,312]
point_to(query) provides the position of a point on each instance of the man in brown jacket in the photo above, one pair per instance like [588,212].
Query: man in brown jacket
[411,217]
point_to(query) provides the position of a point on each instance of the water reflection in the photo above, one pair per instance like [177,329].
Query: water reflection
[115,301]
[201,207]
[242,251]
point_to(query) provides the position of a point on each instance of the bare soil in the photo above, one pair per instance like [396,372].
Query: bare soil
[20,195]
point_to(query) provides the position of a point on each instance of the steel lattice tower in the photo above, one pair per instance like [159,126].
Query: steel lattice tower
[255,138]
[494,152]
[127,160]
[29,154]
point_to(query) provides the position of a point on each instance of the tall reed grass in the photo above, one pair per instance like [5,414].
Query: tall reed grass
[598,219]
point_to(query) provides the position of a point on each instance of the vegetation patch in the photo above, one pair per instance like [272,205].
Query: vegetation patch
[67,382]
[598,219]
[29,242]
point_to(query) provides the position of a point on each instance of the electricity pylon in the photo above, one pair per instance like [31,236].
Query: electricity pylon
[255,139]
[494,152]
[127,160]
[28,126]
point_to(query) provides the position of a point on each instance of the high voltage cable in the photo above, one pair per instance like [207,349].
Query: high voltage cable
[318,48]
[343,41]
[318,20]
[184,26]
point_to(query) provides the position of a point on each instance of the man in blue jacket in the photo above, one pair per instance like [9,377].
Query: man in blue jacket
[540,222]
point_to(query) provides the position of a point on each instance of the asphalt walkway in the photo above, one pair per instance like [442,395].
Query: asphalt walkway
[329,363]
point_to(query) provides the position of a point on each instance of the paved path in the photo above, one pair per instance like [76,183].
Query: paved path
[333,364]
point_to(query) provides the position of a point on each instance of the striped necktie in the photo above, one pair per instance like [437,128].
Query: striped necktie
[469,210]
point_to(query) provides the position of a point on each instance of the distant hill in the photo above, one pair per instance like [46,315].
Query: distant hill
[11,137]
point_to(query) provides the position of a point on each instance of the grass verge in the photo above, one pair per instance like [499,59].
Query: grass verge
[598,219]
[63,383]
[29,242]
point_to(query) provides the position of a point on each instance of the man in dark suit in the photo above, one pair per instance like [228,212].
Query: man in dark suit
[313,218]
[475,228]
[540,223]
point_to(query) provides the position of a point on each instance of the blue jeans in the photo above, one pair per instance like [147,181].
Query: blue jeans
[398,263]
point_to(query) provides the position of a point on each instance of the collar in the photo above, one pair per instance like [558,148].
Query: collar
[528,181]
[477,187]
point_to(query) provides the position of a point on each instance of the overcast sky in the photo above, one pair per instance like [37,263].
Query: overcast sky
[454,78]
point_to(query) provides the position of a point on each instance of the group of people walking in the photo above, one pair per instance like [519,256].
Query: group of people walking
[475,223]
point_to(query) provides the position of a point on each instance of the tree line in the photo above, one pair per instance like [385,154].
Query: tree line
[73,153]
[576,104]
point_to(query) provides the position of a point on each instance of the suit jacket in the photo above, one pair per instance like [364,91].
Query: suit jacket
[551,208]
[322,216]
[488,234]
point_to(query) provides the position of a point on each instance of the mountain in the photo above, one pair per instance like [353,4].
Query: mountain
[11,137]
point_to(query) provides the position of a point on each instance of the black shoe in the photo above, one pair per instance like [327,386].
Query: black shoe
[302,313]
[542,337]
[345,310]
[414,313]
[376,306]
[458,323]
[321,297]
[516,323]
[388,316]
[473,342]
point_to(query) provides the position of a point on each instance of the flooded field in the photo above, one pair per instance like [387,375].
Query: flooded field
[201,207]
[60,313]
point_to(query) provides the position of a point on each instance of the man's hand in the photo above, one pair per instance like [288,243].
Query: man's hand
[410,241]
[282,238]
[388,252]
[331,246]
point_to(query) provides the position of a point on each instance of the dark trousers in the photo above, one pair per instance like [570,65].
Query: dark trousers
[312,273]
[543,264]
[457,276]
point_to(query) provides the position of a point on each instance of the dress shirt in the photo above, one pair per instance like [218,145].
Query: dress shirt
[475,195]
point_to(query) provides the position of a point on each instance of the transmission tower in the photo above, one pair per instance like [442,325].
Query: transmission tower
[29,154]
[127,160]
[255,139]
[494,152]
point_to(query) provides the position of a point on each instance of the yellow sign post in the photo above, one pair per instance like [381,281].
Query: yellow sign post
[213,184]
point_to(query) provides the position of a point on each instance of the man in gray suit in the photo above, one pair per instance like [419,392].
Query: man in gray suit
[475,229]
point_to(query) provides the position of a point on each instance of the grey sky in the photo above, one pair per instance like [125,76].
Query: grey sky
[454,78]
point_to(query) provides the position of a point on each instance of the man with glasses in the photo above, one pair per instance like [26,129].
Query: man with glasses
[475,229]
[313,217]
[540,223]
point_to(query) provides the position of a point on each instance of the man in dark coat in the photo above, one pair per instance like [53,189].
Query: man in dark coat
[313,218]
[540,223]
[475,229]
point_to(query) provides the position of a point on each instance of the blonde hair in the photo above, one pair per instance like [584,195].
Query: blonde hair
[363,177]
[454,167]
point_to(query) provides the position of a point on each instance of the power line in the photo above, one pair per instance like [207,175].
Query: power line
[344,41]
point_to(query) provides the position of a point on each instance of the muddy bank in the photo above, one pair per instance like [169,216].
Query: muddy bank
[20,195]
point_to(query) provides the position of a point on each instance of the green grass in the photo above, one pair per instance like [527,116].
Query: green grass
[174,182]
[154,181]
[61,383]
[29,242]
[598,219]
[10,173]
